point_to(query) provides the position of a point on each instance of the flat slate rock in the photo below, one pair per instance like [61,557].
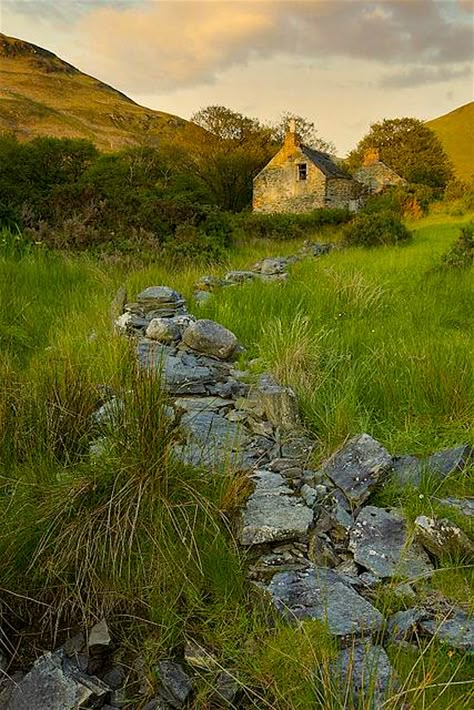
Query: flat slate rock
[180,375]
[357,468]
[403,624]
[54,683]
[363,673]
[208,427]
[321,593]
[273,513]
[456,631]
[379,542]
[160,295]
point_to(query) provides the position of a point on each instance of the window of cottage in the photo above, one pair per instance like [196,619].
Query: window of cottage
[302,171]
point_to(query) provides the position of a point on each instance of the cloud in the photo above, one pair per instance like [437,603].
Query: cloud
[151,46]
[420,76]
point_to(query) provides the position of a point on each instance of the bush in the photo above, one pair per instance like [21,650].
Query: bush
[461,254]
[289,226]
[381,228]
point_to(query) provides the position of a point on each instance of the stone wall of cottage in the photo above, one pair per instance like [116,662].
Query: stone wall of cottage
[377,176]
[277,188]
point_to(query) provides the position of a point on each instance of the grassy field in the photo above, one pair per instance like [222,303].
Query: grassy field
[371,340]
[456,133]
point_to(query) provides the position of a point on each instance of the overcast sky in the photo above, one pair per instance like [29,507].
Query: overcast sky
[341,63]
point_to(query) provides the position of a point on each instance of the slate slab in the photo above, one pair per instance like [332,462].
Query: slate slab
[456,631]
[379,542]
[175,685]
[357,468]
[320,593]
[443,463]
[55,683]
[273,512]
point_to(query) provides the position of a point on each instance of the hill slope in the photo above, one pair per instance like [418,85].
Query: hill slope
[456,132]
[40,94]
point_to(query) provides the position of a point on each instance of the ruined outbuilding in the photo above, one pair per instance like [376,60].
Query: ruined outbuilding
[301,179]
[375,175]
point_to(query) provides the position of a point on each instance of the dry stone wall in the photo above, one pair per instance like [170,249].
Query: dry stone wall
[316,547]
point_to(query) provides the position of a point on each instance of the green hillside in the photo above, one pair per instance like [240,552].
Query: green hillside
[40,94]
[456,132]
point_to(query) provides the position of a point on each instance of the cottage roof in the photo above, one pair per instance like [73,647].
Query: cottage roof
[325,163]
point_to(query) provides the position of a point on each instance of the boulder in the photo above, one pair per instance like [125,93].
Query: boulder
[164,330]
[320,593]
[273,266]
[379,542]
[206,336]
[358,467]
[55,683]
[363,674]
[273,512]
[442,537]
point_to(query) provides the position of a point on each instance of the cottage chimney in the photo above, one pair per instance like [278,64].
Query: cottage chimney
[371,156]
[291,138]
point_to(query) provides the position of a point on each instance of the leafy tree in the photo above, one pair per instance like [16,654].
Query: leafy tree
[306,130]
[409,147]
[231,152]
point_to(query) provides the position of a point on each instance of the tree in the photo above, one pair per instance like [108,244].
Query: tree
[306,130]
[410,148]
[229,154]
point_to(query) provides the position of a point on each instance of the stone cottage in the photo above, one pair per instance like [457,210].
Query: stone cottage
[301,179]
[375,175]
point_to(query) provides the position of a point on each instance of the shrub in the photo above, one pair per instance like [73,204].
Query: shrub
[461,254]
[289,226]
[375,229]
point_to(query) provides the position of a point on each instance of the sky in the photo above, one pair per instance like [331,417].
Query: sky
[343,64]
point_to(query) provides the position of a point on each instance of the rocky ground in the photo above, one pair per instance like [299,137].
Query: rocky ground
[317,547]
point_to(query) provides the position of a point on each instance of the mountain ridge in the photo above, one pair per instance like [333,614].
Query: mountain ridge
[455,130]
[41,94]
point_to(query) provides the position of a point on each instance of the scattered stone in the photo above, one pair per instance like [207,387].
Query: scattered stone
[209,283]
[364,675]
[202,297]
[210,338]
[118,304]
[181,376]
[319,593]
[55,683]
[109,414]
[442,537]
[456,631]
[226,689]
[99,635]
[403,624]
[175,685]
[309,495]
[238,277]
[357,468]
[379,542]
[164,330]
[115,677]
[278,403]
[196,655]
[272,512]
